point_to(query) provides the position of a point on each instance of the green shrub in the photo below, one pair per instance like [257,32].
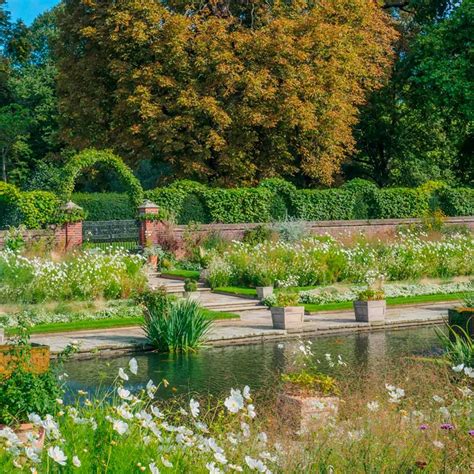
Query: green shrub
[170,199]
[457,201]
[398,203]
[364,191]
[282,206]
[105,206]
[179,327]
[193,209]
[238,205]
[325,204]
[257,235]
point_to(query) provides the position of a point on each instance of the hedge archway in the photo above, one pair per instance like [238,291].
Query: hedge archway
[90,157]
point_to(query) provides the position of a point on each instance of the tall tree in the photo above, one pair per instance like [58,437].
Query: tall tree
[413,129]
[223,91]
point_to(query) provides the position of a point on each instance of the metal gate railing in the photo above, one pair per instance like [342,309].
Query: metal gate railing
[111,233]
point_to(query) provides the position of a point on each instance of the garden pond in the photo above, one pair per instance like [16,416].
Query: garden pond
[215,370]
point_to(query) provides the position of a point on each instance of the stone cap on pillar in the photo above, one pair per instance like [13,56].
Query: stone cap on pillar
[70,207]
[148,207]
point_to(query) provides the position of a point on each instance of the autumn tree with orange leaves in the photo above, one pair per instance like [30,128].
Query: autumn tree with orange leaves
[225,91]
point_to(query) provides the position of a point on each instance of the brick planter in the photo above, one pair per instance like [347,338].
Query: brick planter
[288,317]
[370,311]
[307,412]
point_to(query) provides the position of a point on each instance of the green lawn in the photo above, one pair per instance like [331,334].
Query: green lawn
[238,290]
[90,324]
[178,272]
[400,300]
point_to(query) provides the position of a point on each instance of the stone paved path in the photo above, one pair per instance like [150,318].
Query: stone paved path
[254,325]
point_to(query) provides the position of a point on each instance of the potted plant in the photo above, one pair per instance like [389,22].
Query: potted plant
[266,290]
[370,306]
[461,318]
[190,288]
[153,254]
[28,387]
[308,397]
[286,314]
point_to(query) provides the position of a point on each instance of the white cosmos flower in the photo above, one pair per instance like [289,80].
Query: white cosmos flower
[438,444]
[251,411]
[235,402]
[153,468]
[76,461]
[165,462]
[220,458]
[255,464]
[246,392]
[245,429]
[122,374]
[234,467]
[124,393]
[34,418]
[194,407]
[373,406]
[458,368]
[123,411]
[120,426]
[57,455]
[212,468]
[156,411]
[438,399]
[262,437]
[469,372]
[133,366]
[32,454]
[151,389]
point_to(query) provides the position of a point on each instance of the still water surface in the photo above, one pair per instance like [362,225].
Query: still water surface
[215,370]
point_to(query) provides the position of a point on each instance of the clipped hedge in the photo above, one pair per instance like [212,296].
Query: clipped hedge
[457,201]
[325,204]
[399,203]
[105,206]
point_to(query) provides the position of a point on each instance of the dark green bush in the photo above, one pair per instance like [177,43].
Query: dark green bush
[238,205]
[325,204]
[193,209]
[397,203]
[283,201]
[364,192]
[105,206]
[457,201]
[257,235]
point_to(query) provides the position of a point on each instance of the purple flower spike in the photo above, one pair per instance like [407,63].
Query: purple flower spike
[447,426]
[423,427]
[471,432]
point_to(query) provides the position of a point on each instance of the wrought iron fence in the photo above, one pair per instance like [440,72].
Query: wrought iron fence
[122,233]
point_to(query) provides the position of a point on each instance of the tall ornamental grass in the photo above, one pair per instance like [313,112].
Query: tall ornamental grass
[91,274]
[176,326]
[326,260]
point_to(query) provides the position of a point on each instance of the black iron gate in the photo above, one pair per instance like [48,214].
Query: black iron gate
[111,233]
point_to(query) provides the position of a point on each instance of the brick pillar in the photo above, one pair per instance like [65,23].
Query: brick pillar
[148,234]
[69,235]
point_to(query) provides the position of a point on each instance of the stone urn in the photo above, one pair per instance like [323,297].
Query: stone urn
[370,311]
[307,411]
[264,292]
[287,317]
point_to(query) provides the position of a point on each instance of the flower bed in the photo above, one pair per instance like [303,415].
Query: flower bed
[90,274]
[326,260]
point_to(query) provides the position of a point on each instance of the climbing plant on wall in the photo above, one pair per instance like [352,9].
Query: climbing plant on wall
[90,157]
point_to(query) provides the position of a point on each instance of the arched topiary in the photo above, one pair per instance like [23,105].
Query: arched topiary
[90,157]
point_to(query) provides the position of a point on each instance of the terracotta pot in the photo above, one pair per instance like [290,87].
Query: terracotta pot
[370,311]
[38,364]
[307,412]
[25,429]
[152,261]
[288,317]
[264,291]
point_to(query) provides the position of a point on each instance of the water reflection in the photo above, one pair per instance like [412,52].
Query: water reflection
[215,370]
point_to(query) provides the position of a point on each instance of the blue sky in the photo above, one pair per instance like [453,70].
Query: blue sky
[27,10]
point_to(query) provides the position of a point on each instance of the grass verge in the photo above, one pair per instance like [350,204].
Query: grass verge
[179,273]
[110,323]
[399,300]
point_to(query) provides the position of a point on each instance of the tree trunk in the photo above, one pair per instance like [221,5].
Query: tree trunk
[4,165]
